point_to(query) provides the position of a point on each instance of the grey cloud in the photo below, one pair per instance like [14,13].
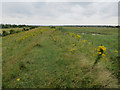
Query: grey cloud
[13,9]
[60,12]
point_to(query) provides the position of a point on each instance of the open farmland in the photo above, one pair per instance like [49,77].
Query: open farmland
[61,57]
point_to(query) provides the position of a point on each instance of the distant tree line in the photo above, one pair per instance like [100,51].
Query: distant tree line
[28,27]
[33,26]
[16,26]
[24,28]
[89,26]
[55,26]
[5,33]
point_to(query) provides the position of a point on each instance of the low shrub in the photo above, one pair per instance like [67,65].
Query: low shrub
[5,33]
[24,29]
[32,27]
[18,31]
[52,27]
[27,30]
[12,31]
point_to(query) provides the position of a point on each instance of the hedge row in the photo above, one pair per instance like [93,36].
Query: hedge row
[5,33]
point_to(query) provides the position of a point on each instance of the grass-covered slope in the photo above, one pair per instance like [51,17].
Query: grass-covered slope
[49,58]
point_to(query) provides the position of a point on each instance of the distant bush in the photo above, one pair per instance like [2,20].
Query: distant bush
[52,27]
[32,27]
[18,31]
[5,33]
[12,31]
[25,29]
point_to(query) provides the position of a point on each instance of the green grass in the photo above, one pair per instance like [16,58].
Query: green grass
[107,36]
[101,30]
[44,60]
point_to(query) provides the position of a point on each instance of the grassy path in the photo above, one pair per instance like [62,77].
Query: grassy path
[44,60]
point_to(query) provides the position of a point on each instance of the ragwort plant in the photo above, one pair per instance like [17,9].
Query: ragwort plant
[100,53]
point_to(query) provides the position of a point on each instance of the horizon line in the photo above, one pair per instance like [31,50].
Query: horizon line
[66,24]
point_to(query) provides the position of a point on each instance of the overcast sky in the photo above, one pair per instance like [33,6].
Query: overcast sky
[60,13]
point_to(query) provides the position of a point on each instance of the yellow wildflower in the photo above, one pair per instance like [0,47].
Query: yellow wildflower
[116,51]
[99,53]
[78,36]
[89,43]
[102,48]
[73,44]
[98,49]
[18,79]
[83,41]
[103,54]
[71,34]
[72,50]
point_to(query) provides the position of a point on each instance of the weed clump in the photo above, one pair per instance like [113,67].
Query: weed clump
[37,45]
[22,66]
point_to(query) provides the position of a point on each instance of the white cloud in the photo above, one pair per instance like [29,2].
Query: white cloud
[59,0]
[60,12]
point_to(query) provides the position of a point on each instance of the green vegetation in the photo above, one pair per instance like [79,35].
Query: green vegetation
[12,31]
[5,33]
[58,57]
[9,31]
[104,35]
[7,26]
